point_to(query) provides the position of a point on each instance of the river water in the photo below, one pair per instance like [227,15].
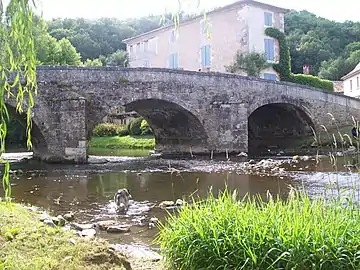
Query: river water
[88,190]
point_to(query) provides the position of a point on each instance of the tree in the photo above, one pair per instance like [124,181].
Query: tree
[322,44]
[68,54]
[119,58]
[251,63]
[17,40]
[93,63]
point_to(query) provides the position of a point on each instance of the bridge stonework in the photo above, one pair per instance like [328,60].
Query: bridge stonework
[188,111]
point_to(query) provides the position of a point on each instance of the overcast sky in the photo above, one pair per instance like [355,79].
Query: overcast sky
[331,9]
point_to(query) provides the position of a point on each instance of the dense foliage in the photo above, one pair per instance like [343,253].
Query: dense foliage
[135,126]
[330,48]
[103,37]
[299,233]
[251,63]
[284,65]
[110,129]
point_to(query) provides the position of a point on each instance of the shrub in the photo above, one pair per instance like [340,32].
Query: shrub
[110,129]
[251,234]
[105,129]
[134,126]
[145,128]
[252,63]
[122,131]
[312,81]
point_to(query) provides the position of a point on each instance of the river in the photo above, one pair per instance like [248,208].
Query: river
[88,190]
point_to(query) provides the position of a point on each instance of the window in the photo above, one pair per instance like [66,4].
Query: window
[270,76]
[357,83]
[269,49]
[146,45]
[350,85]
[268,19]
[205,56]
[174,61]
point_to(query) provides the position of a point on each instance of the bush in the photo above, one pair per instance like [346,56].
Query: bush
[312,81]
[110,129]
[134,126]
[298,233]
[105,129]
[145,128]
[122,131]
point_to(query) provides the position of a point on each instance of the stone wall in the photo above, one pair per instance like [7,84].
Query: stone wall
[189,111]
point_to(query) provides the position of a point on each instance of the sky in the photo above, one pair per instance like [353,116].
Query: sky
[122,9]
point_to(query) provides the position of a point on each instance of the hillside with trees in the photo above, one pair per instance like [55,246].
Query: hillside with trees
[331,49]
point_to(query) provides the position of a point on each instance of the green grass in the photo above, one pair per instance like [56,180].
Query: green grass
[298,233]
[127,142]
[26,243]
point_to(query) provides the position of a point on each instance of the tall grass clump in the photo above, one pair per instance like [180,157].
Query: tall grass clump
[298,233]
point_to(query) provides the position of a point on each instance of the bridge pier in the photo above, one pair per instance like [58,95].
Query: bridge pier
[64,131]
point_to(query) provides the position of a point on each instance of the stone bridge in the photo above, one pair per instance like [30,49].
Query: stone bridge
[188,111]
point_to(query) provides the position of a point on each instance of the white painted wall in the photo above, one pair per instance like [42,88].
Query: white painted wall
[353,91]
[257,34]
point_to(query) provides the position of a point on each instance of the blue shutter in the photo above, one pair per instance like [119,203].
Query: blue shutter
[171,61]
[272,50]
[176,61]
[269,49]
[202,51]
[205,56]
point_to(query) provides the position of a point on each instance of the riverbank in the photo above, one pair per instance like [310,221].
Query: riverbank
[123,142]
[28,243]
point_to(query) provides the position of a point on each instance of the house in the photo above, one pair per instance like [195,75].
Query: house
[210,43]
[352,83]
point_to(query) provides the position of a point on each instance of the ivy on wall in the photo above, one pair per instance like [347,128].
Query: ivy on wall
[283,68]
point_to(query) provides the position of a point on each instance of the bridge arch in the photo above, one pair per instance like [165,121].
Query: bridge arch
[176,129]
[39,143]
[278,126]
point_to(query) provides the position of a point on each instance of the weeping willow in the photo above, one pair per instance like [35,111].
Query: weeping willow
[17,70]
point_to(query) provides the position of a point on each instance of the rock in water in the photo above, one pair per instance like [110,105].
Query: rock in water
[165,204]
[105,224]
[49,222]
[80,227]
[118,229]
[137,252]
[69,216]
[59,220]
[179,202]
[88,233]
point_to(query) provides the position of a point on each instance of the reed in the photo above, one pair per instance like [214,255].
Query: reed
[299,233]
